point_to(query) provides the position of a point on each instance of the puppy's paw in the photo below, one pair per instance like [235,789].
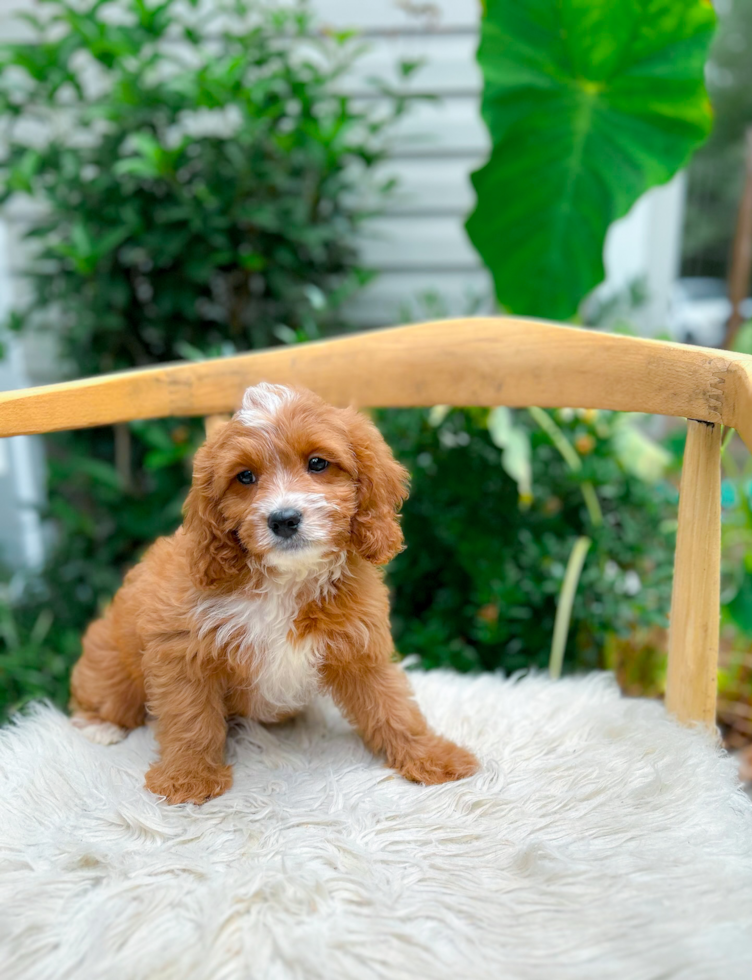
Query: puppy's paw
[194,786]
[99,732]
[432,759]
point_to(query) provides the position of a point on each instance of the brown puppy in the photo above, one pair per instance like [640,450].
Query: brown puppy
[269,592]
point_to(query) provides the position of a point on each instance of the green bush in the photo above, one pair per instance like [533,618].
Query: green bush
[478,584]
[200,178]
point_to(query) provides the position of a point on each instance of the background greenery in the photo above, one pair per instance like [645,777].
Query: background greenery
[201,182]
[478,585]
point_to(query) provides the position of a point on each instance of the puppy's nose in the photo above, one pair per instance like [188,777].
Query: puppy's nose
[285,523]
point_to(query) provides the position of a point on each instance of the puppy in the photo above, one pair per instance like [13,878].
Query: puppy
[269,592]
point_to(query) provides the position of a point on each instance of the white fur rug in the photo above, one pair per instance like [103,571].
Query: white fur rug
[600,840]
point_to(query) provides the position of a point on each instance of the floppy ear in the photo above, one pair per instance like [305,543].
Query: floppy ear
[217,554]
[382,488]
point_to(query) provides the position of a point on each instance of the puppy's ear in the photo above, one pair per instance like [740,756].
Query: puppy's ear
[382,488]
[217,554]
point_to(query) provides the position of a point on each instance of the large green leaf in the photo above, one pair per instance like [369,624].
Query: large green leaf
[589,103]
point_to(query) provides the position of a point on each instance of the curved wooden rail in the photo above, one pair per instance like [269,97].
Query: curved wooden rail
[483,361]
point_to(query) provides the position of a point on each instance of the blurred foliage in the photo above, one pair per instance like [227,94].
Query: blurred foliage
[638,660]
[716,173]
[194,179]
[489,535]
[588,103]
[33,663]
[198,173]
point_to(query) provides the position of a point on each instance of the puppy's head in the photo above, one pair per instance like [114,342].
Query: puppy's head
[291,481]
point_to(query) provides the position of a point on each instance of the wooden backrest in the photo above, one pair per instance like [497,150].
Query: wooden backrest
[484,361]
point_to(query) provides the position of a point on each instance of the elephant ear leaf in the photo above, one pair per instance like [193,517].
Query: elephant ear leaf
[588,103]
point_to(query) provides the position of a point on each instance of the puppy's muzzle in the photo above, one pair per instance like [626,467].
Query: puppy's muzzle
[285,523]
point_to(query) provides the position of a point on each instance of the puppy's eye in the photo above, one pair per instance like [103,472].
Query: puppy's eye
[316,464]
[246,477]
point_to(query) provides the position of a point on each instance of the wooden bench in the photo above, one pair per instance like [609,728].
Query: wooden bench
[484,361]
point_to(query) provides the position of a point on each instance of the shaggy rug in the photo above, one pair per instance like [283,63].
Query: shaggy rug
[600,840]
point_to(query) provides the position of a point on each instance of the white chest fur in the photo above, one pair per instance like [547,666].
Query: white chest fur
[258,629]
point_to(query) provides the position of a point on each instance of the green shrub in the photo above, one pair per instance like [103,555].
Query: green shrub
[31,664]
[478,584]
[200,177]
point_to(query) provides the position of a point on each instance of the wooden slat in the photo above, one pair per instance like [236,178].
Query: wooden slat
[447,127]
[414,243]
[392,15]
[13,30]
[401,295]
[691,680]
[483,361]
[383,16]
[736,394]
[441,185]
[448,64]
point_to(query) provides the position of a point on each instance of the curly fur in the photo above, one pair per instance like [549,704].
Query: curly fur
[224,618]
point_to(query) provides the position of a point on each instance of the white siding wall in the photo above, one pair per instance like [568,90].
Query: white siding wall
[21,461]
[419,246]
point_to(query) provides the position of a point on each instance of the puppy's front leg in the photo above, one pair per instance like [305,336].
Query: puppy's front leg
[377,699]
[191,731]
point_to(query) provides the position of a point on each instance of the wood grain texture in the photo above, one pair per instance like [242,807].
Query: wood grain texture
[691,681]
[483,361]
